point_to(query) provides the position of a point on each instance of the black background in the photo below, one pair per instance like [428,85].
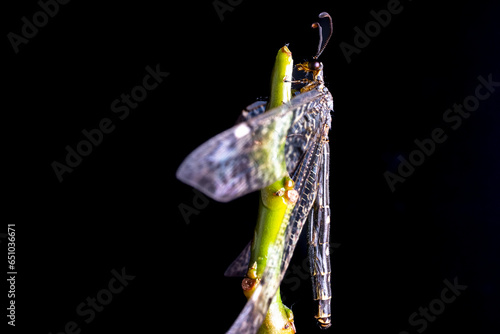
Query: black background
[120,207]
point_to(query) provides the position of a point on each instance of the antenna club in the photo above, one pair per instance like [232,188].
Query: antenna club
[322,46]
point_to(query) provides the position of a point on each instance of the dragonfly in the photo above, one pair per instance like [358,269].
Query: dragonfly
[249,157]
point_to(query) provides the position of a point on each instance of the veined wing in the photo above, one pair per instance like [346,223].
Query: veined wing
[306,182]
[239,267]
[319,244]
[248,156]
[303,128]
[297,143]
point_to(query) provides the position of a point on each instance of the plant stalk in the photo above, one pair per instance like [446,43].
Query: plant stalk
[272,208]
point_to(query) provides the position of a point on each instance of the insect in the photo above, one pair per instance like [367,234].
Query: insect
[250,156]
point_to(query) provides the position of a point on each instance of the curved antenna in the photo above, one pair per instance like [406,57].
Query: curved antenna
[322,46]
[316,25]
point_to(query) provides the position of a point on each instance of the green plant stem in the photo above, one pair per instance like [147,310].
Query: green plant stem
[272,208]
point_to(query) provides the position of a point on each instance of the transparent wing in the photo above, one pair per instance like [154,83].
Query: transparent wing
[306,183]
[250,155]
[303,128]
[239,267]
[307,141]
[319,244]
[253,110]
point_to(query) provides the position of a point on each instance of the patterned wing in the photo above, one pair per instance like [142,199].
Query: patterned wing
[248,156]
[239,267]
[254,312]
[311,134]
[253,110]
[319,244]
[304,127]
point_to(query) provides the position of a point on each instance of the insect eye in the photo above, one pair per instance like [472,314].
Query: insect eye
[314,65]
